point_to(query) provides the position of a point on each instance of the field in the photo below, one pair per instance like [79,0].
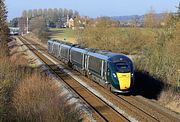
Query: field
[158,63]
[64,34]
[115,36]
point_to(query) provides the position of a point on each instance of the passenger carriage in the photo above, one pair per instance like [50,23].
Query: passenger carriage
[112,70]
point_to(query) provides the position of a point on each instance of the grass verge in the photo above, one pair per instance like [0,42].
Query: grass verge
[28,95]
[65,34]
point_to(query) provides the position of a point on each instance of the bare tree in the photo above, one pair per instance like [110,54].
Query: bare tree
[166,19]
[40,12]
[135,20]
[24,14]
[34,13]
[150,19]
[53,17]
[76,13]
[30,13]
[3,23]
[70,13]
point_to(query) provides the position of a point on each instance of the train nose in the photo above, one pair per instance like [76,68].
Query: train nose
[124,80]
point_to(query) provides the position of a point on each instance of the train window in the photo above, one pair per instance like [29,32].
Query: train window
[122,67]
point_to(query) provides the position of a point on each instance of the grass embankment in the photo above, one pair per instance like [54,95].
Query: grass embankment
[156,69]
[156,47]
[28,95]
[124,40]
[65,34]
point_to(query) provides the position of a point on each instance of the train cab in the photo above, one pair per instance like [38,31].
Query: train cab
[120,74]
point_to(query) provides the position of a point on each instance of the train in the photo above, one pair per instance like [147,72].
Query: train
[111,70]
[13,31]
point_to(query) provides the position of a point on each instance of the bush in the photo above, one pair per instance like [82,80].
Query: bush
[160,60]
[10,75]
[156,47]
[122,40]
[38,99]
[171,99]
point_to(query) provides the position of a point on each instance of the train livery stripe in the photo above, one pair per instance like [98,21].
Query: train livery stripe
[124,80]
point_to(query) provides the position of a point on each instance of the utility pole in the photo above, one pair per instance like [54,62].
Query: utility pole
[178,78]
[27,25]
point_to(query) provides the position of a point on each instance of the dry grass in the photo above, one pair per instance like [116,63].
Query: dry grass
[170,99]
[17,56]
[3,50]
[38,99]
[10,76]
[19,59]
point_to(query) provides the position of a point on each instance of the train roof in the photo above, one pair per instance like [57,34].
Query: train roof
[61,42]
[102,54]
[110,56]
[76,48]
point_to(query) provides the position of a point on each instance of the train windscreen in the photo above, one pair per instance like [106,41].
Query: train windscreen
[122,67]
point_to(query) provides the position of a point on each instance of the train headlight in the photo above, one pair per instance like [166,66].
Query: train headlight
[132,75]
[114,75]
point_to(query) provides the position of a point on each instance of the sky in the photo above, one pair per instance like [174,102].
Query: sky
[94,8]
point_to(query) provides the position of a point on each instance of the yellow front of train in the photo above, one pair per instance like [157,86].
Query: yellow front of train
[124,80]
[123,77]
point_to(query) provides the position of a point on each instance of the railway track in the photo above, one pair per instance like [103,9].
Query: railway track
[101,110]
[160,114]
[135,107]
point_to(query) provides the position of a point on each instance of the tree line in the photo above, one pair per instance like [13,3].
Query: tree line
[39,20]
[53,17]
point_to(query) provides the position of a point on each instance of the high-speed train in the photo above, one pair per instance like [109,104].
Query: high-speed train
[111,70]
[13,31]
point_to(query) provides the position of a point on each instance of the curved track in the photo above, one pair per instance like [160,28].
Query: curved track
[138,108]
[101,110]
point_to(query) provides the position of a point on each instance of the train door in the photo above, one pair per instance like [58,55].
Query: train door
[59,51]
[104,70]
[86,63]
[48,46]
[83,62]
[109,72]
[53,48]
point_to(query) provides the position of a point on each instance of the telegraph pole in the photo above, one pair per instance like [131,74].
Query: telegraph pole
[178,78]
[27,25]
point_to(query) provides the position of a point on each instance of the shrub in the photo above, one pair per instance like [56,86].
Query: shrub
[38,99]
[122,40]
[171,99]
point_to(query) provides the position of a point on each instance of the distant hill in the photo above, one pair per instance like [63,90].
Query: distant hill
[132,17]
[127,18]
